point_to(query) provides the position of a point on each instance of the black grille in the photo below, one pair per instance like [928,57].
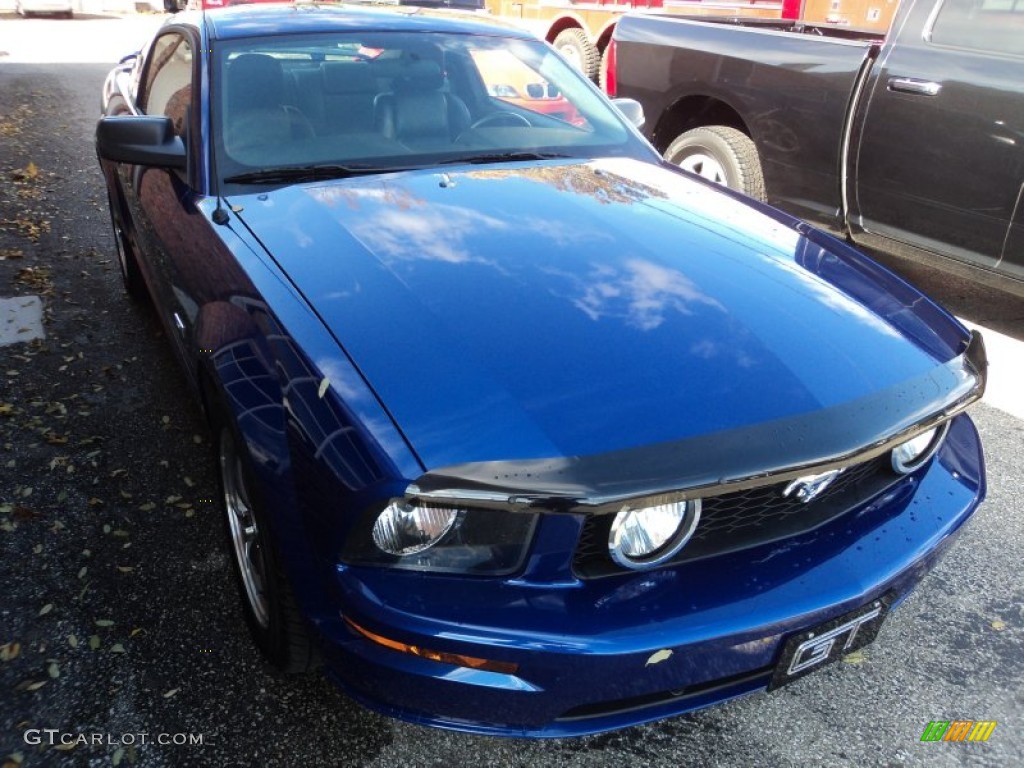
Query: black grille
[747,518]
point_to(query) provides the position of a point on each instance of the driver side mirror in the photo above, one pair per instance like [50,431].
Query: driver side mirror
[140,140]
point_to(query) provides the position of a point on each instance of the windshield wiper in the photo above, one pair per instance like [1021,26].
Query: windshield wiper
[305,173]
[504,157]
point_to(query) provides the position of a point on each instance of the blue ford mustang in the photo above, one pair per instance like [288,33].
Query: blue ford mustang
[521,430]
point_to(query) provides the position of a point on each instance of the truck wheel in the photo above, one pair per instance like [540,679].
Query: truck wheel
[720,154]
[576,47]
[602,71]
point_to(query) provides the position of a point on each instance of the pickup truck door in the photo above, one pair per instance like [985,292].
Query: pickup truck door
[940,160]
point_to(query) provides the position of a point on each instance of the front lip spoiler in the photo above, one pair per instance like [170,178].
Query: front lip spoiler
[725,462]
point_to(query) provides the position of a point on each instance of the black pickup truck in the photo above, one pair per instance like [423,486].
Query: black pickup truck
[911,143]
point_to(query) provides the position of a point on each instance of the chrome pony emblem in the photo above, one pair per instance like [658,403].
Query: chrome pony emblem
[809,487]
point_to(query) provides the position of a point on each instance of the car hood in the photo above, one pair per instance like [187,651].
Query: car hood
[583,308]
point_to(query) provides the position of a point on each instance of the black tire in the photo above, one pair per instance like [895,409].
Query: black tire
[721,154]
[273,618]
[131,277]
[576,47]
[602,71]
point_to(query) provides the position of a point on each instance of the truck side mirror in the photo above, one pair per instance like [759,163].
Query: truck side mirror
[632,110]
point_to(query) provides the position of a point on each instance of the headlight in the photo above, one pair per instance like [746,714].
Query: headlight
[438,537]
[644,537]
[912,454]
[405,529]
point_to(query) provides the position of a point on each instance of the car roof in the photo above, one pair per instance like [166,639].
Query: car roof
[257,20]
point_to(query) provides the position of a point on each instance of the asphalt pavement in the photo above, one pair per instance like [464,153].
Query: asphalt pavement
[121,636]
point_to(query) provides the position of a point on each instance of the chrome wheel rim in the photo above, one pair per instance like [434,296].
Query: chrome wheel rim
[245,538]
[704,165]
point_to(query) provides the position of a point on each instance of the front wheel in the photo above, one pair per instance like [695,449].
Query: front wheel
[270,611]
[720,154]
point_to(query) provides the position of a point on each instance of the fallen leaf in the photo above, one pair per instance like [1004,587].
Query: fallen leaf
[117,648]
[94,642]
[998,625]
[857,657]
[324,386]
[9,651]
[45,609]
[659,656]
[104,623]
[171,692]
[73,641]
[53,670]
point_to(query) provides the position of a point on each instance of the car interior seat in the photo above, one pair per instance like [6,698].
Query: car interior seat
[349,91]
[257,115]
[419,112]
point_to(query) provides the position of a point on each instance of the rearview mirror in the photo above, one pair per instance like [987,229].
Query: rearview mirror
[140,140]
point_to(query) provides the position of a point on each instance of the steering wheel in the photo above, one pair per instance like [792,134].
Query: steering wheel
[509,117]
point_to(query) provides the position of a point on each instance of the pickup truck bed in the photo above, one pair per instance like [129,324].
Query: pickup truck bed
[777,79]
[909,142]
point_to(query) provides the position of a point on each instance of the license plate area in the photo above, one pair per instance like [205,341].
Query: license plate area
[826,643]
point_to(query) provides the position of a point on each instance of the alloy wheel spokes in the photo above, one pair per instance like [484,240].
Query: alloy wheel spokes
[245,535]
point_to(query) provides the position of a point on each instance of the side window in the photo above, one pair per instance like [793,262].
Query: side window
[167,89]
[994,26]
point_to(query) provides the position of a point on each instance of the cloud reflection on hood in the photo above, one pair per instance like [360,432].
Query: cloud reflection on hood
[640,292]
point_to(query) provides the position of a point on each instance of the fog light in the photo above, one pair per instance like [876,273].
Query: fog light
[644,537]
[912,454]
[405,529]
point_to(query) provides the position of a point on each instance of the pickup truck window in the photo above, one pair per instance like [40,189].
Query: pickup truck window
[995,26]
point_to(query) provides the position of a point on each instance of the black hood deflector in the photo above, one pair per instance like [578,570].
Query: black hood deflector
[711,465]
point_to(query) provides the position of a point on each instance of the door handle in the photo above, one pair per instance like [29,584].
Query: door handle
[915,86]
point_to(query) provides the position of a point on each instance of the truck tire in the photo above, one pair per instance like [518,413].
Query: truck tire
[720,154]
[602,71]
[576,47]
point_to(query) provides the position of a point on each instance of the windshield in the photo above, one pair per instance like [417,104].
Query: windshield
[319,106]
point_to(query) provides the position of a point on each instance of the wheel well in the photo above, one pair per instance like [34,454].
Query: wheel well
[694,112]
[605,37]
[559,26]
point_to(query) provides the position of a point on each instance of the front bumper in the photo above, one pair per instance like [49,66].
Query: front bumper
[597,655]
